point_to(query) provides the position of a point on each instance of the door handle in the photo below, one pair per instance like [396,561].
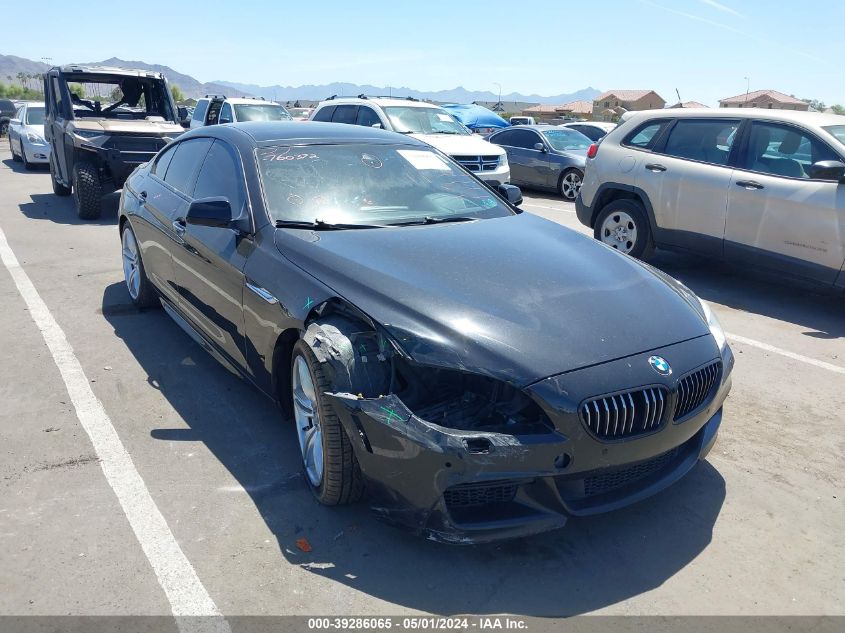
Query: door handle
[653,167]
[749,184]
[179,227]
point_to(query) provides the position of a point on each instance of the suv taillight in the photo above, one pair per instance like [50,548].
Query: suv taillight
[594,149]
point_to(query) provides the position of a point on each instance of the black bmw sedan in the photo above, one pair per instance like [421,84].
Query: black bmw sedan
[477,372]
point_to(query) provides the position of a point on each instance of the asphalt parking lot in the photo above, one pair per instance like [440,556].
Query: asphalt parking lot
[757,529]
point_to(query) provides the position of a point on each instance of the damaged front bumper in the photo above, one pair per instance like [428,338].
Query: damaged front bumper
[469,487]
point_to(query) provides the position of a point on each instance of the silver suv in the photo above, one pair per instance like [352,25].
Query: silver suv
[765,188]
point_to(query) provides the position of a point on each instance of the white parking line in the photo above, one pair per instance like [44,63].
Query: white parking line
[776,350]
[542,206]
[176,575]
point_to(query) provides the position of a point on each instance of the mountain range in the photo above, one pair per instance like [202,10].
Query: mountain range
[11,65]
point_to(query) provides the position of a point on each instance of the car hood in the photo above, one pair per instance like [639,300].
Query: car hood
[460,144]
[34,129]
[517,298]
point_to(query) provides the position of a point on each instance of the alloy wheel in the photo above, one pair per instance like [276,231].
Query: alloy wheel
[131,272]
[307,419]
[570,185]
[619,230]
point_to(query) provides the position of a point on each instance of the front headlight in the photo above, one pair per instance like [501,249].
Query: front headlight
[34,138]
[503,160]
[87,133]
[714,325]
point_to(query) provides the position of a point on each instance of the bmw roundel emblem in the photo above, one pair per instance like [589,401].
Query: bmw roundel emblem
[660,365]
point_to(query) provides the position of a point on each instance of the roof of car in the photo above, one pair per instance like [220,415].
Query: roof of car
[604,125]
[792,116]
[380,101]
[269,132]
[107,70]
[250,101]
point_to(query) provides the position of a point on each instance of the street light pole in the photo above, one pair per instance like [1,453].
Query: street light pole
[747,88]
[499,103]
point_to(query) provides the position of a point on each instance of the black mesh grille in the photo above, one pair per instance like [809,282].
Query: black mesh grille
[600,484]
[128,143]
[696,388]
[625,414]
[466,495]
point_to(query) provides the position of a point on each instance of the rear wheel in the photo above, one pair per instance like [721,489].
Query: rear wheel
[570,184]
[87,190]
[622,225]
[328,458]
[140,289]
[58,188]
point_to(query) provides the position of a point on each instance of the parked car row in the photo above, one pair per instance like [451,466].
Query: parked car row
[26,135]
[765,188]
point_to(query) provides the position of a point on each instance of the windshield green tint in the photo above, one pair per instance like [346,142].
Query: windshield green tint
[416,120]
[369,184]
[261,112]
[565,140]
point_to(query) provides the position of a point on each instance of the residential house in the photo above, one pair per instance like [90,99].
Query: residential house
[771,99]
[689,104]
[544,113]
[609,106]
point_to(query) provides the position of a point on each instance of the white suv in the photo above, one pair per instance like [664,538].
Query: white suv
[214,109]
[425,121]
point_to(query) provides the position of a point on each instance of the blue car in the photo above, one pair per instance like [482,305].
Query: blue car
[545,157]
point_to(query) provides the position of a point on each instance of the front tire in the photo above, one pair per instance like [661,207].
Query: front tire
[570,184]
[26,164]
[15,157]
[328,459]
[87,190]
[622,225]
[134,274]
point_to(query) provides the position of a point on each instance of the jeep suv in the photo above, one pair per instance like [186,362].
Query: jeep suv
[124,118]
[764,188]
[425,121]
[214,109]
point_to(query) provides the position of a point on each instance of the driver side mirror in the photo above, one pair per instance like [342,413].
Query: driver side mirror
[827,170]
[14,121]
[511,193]
[540,147]
[215,212]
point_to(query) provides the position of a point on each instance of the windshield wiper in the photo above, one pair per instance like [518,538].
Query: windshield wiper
[320,225]
[446,132]
[432,220]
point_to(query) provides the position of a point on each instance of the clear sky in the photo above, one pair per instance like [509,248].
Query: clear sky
[704,48]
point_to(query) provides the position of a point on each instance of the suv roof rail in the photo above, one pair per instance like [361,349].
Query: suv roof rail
[257,98]
[213,96]
[363,96]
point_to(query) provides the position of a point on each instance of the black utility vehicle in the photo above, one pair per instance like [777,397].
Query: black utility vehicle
[123,119]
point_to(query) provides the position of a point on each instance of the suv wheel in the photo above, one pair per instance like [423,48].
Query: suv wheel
[570,184]
[87,190]
[58,188]
[622,225]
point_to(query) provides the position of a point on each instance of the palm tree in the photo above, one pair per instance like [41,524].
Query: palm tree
[21,76]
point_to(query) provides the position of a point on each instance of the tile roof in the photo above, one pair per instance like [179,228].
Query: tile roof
[690,104]
[624,95]
[578,107]
[774,95]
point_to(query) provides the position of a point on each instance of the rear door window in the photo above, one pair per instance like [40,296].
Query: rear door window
[345,114]
[324,114]
[702,140]
[185,164]
[645,135]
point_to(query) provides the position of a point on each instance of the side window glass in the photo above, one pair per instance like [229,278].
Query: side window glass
[200,110]
[163,160]
[525,139]
[367,117]
[702,140]
[780,150]
[503,138]
[226,114]
[345,114]
[57,95]
[644,136]
[221,175]
[185,164]
[324,114]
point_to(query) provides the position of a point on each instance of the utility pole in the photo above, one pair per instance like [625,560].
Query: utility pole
[499,105]
[747,88]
